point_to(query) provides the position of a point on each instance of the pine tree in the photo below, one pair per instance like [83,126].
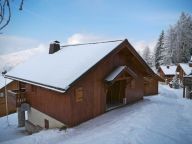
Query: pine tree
[147,56]
[159,51]
[178,41]
[169,45]
[184,37]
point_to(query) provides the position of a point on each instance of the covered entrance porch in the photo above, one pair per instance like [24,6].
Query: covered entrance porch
[117,82]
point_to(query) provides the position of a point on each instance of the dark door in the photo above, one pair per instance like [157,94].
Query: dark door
[115,94]
[46,124]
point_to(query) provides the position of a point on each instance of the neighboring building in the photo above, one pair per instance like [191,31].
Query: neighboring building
[183,69]
[9,85]
[76,83]
[167,72]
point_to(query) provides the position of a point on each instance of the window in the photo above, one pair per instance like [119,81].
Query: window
[1,94]
[79,94]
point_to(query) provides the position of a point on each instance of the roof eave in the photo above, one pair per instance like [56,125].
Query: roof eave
[60,90]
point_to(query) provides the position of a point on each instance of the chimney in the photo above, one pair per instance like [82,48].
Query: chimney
[54,47]
[190,62]
[168,66]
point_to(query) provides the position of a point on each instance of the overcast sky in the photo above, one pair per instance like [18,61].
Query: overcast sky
[70,21]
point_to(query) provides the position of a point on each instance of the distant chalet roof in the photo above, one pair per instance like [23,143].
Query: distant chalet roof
[59,70]
[186,68]
[169,70]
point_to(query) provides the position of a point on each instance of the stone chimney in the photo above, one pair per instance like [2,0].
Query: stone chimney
[167,66]
[54,47]
[190,62]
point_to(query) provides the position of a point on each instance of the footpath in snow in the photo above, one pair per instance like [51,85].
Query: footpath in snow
[162,119]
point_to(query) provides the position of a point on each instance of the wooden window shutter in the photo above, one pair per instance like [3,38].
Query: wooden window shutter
[79,94]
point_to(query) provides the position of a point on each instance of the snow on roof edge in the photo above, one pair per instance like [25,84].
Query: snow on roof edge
[3,85]
[115,73]
[62,90]
[38,84]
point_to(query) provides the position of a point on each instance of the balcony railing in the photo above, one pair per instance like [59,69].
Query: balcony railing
[18,96]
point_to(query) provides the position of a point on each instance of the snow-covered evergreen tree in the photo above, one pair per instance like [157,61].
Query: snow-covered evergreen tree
[159,51]
[184,37]
[178,41]
[169,45]
[147,56]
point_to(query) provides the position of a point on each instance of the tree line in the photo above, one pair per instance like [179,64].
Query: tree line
[173,46]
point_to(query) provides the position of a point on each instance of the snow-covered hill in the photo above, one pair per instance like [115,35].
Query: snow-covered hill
[162,119]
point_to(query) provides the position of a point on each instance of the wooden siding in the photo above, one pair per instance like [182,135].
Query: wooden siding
[150,87]
[181,73]
[54,104]
[11,106]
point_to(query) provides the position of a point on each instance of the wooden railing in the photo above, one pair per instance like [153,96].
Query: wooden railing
[19,95]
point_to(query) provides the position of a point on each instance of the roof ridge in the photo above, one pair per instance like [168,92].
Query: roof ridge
[91,43]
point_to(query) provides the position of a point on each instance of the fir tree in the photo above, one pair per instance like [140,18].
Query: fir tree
[159,51]
[178,41]
[147,56]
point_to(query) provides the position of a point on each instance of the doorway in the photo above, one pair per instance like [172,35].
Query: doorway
[115,94]
[46,124]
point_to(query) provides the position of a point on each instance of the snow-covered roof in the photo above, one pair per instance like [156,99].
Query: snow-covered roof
[57,71]
[169,70]
[2,82]
[186,68]
[115,73]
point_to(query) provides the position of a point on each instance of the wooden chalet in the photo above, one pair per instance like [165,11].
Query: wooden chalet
[183,69]
[167,72]
[10,100]
[75,83]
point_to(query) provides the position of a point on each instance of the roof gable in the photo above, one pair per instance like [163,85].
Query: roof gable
[185,67]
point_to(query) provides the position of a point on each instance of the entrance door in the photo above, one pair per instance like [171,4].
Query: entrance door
[115,94]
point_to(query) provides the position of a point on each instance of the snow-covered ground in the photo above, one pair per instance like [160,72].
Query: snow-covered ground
[162,119]
[9,130]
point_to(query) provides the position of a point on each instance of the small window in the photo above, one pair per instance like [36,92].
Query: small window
[1,94]
[133,83]
[79,94]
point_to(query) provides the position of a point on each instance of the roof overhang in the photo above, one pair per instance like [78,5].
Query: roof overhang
[56,89]
[118,71]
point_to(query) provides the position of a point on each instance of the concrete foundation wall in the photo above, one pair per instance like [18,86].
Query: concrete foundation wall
[38,118]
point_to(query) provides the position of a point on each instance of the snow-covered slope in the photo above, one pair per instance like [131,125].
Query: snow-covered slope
[162,119]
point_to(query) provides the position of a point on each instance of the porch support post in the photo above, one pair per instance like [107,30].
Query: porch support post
[21,113]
